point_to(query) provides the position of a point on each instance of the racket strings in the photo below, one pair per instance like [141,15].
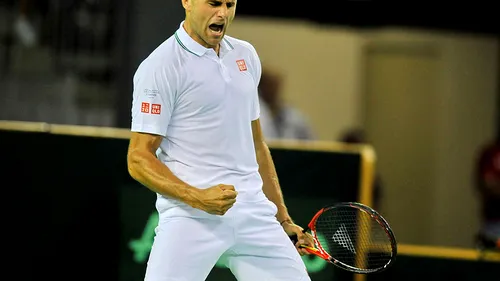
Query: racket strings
[354,238]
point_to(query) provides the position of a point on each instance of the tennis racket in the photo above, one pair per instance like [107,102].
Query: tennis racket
[353,237]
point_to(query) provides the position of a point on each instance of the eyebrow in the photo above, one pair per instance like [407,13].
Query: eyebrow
[222,1]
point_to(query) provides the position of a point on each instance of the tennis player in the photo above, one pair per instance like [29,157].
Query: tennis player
[197,142]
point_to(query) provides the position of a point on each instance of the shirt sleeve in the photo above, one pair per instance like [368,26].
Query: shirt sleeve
[153,102]
[256,72]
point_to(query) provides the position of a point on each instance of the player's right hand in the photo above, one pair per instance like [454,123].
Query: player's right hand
[216,200]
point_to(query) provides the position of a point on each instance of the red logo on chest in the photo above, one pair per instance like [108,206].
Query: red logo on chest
[241,65]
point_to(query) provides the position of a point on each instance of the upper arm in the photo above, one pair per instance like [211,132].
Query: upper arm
[256,65]
[144,142]
[153,100]
[142,147]
[256,70]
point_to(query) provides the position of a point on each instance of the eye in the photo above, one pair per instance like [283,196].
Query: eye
[219,3]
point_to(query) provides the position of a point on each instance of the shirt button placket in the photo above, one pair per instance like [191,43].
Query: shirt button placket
[224,72]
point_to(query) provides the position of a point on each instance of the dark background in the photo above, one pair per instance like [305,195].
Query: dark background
[476,17]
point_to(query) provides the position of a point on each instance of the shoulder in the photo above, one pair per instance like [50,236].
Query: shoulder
[242,46]
[162,62]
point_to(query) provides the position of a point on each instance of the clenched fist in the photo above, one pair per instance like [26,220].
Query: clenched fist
[216,200]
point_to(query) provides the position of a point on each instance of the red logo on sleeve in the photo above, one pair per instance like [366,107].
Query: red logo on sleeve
[241,65]
[145,107]
[155,108]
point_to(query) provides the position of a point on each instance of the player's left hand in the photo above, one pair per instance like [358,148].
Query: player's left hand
[302,238]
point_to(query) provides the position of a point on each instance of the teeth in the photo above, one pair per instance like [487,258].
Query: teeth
[218,30]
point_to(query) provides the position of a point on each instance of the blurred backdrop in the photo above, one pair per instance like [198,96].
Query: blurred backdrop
[419,85]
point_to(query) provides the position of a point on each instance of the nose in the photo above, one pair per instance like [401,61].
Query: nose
[223,11]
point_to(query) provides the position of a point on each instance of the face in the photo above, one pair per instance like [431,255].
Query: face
[207,20]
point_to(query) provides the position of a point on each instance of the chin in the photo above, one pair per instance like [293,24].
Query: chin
[214,41]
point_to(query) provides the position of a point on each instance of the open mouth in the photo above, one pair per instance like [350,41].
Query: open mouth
[216,28]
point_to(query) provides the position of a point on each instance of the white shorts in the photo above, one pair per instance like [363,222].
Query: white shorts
[247,239]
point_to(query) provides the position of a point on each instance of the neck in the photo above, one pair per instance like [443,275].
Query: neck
[197,38]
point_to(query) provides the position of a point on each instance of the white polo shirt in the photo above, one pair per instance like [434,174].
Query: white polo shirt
[203,106]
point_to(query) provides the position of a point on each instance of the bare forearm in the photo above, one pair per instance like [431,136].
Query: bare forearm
[271,185]
[149,171]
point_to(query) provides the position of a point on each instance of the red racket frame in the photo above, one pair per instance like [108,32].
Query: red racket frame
[320,251]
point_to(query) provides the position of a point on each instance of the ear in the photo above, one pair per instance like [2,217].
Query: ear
[186,4]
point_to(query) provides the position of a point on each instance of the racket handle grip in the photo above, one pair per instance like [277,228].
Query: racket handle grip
[294,237]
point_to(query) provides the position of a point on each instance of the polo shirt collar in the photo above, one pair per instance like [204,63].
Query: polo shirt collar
[195,48]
